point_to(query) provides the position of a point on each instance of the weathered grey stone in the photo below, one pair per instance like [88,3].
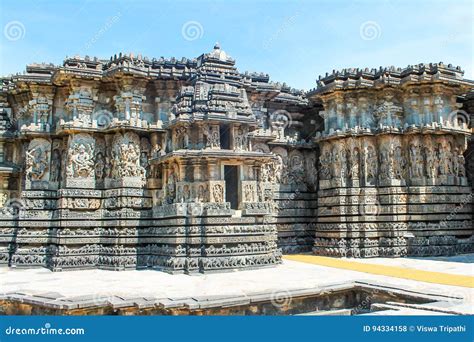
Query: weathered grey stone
[190,166]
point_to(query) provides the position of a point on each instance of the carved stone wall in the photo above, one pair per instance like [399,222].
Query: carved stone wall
[190,166]
[295,175]
[121,165]
[393,178]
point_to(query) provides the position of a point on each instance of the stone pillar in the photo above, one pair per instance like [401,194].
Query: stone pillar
[196,164]
[352,111]
[340,113]
[213,170]
[412,108]
[182,164]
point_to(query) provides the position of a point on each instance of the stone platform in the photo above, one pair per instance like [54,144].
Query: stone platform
[135,292]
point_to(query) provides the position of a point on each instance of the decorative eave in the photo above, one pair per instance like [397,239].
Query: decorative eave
[350,79]
[427,129]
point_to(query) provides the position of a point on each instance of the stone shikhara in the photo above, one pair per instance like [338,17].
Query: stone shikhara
[191,166]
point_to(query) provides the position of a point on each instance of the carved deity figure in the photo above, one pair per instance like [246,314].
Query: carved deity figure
[311,175]
[218,193]
[325,168]
[296,171]
[343,159]
[211,136]
[37,161]
[186,193]
[398,163]
[144,163]
[156,149]
[3,199]
[201,194]
[385,163]
[371,160]
[443,167]
[99,166]
[461,162]
[265,172]
[240,139]
[249,192]
[274,171]
[336,164]
[206,132]
[55,173]
[451,160]
[126,157]
[81,162]
[171,188]
[109,166]
[430,170]
[354,168]
[182,138]
[416,161]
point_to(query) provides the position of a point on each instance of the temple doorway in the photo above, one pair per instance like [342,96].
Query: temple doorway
[231,177]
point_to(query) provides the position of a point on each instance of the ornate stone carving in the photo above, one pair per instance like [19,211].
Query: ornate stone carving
[217,192]
[181,137]
[37,160]
[240,138]
[391,171]
[80,166]
[126,159]
[99,166]
[249,191]
[296,173]
[56,164]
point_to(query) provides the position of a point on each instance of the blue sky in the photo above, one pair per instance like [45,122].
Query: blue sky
[293,41]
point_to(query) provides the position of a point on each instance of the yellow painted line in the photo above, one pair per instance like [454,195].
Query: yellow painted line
[390,271]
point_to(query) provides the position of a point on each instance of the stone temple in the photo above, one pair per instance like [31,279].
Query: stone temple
[191,166]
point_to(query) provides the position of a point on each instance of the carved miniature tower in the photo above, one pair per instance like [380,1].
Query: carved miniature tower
[214,185]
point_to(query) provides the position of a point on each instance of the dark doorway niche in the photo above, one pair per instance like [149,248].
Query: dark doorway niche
[231,177]
[224,131]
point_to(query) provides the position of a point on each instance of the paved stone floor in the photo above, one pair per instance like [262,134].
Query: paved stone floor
[291,275]
[405,269]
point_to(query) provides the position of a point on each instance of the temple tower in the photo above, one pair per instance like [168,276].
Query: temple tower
[215,187]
